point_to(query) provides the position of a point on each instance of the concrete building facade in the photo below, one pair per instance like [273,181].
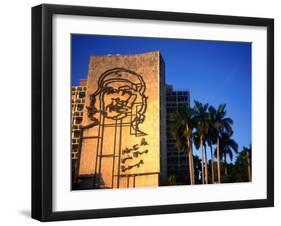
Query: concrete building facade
[122,133]
[78,94]
[177,163]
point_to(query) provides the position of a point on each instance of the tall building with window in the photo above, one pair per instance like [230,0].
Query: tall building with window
[78,94]
[177,163]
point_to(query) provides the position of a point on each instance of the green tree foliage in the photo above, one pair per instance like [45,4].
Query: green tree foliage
[205,126]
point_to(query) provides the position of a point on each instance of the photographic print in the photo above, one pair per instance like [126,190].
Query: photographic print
[149,112]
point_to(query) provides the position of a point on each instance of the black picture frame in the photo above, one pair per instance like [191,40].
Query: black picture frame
[42,111]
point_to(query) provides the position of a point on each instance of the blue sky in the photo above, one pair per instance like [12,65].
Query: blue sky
[214,72]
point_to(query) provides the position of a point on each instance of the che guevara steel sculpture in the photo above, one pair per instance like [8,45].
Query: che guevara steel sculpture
[118,102]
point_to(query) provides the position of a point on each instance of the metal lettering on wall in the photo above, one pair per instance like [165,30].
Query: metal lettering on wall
[118,103]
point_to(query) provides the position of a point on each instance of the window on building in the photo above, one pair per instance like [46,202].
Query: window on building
[75,146]
[171,98]
[82,94]
[78,120]
[182,98]
[77,133]
[80,107]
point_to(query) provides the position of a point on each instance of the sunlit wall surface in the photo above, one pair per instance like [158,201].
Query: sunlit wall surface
[120,140]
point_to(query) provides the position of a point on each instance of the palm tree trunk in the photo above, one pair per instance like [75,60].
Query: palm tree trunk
[190,157]
[249,167]
[189,162]
[225,168]
[202,162]
[212,161]
[206,166]
[189,166]
[192,162]
[218,160]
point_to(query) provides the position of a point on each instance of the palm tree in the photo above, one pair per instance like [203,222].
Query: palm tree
[219,124]
[227,147]
[248,152]
[211,139]
[197,169]
[181,130]
[198,146]
[202,125]
[243,165]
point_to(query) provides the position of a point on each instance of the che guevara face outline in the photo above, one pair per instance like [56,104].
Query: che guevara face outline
[119,91]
